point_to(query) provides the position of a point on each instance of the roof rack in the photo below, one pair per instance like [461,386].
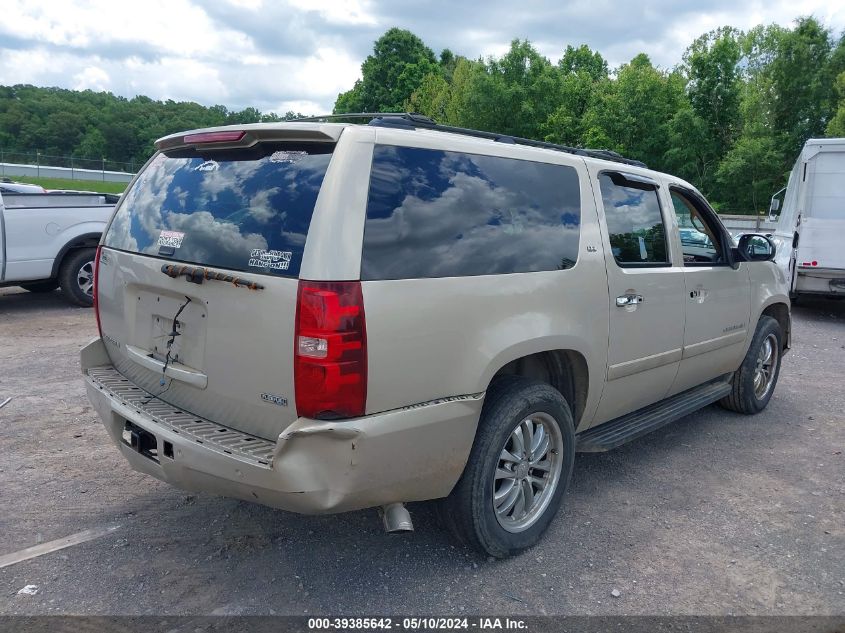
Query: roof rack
[413,120]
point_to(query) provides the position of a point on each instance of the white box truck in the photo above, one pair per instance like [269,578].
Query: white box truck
[810,233]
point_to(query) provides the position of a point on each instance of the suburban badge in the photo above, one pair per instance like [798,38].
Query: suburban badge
[269,397]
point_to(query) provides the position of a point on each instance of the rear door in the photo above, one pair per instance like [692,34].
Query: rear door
[717,301]
[823,220]
[198,278]
[645,293]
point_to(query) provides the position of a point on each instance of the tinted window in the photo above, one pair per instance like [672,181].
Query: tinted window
[245,210]
[699,242]
[634,221]
[444,214]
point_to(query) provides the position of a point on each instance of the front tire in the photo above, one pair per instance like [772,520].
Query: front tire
[754,382]
[76,277]
[518,470]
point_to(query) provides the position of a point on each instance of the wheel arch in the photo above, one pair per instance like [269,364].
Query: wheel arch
[85,240]
[564,369]
[780,313]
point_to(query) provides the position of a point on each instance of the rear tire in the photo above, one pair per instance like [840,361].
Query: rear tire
[41,286]
[754,382]
[76,276]
[518,469]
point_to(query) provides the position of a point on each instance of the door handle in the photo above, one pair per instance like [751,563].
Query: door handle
[628,300]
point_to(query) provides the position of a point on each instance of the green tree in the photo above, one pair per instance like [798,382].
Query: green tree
[398,65]
[801,77]
[461,105]
[711,65]
[632,113]
[514,94]
[582,71]
[247,115]
[751,172]
[62,131]
[93,144]
[836,127]
[692,154]
[431,98]
[448,62]
[583,60]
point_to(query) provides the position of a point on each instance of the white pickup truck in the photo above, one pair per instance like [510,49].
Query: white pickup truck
[48,241]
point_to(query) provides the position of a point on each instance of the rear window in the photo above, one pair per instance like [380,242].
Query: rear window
[245,210]
[433,213]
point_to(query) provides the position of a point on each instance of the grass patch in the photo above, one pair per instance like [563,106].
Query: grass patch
[66,183]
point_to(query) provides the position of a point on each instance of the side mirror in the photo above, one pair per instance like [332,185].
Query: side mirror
[755,248]
[774,207]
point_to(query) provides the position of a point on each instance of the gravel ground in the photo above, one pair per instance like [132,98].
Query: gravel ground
[718,514]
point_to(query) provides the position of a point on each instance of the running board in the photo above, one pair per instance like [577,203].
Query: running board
[609,435]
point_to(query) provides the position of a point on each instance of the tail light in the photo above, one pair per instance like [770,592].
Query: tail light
[96,280]
[330,350]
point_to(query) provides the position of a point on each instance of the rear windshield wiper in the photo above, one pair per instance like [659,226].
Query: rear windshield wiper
[197,274]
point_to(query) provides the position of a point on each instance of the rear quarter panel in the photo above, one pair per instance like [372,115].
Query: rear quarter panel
[434,338]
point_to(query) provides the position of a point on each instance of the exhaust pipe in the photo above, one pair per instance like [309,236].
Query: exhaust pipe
[396,518]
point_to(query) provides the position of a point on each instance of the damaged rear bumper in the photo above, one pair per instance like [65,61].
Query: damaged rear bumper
[410,454]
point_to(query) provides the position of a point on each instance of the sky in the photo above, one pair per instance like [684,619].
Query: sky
[280,55]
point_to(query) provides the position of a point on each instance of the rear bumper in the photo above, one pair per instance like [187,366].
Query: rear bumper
[314,467]
[829,281]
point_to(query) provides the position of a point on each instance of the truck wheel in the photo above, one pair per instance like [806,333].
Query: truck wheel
[41,286]
[754,382]
[76,276]
[518,469]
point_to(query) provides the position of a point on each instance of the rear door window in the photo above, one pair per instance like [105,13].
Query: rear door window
[433,213]
[634,220]
[244,210]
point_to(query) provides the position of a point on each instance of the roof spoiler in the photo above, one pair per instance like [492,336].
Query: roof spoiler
[248,135]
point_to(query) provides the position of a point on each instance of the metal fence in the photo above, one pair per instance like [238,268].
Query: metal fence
[747,223]
[38,159]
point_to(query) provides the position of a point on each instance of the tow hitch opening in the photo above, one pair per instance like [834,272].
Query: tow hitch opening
[140,441]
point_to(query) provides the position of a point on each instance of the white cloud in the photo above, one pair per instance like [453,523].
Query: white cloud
[339,11]
[301,106]
[328,71]
[92,78]
[166,26]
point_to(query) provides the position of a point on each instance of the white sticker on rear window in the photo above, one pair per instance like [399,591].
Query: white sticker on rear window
[287,156]
[277,260]
[171,239]
[209,165]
